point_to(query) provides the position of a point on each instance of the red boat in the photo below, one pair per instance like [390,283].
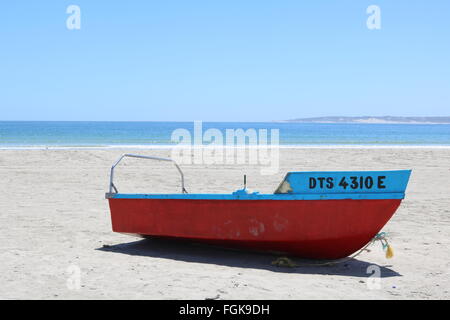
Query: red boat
[321,215]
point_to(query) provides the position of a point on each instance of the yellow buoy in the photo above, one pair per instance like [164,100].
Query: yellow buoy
[389,252]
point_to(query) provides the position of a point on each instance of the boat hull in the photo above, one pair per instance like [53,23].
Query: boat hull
[319,229]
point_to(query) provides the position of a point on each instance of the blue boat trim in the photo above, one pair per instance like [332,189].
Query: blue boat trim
[198,196]
[315,185]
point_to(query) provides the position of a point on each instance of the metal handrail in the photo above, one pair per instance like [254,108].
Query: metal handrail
[111,177]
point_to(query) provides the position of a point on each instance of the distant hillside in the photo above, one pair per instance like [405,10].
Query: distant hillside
[368,119]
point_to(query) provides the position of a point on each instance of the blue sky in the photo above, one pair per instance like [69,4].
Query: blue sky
[229,60]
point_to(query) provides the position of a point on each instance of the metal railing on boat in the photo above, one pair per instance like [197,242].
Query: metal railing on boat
[112,187]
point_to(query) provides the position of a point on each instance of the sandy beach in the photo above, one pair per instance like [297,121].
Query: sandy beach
[54,219]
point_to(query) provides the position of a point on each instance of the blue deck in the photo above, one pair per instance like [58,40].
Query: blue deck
[336,185]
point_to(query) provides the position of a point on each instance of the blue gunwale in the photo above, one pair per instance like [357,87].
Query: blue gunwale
[199,196]
[299,188]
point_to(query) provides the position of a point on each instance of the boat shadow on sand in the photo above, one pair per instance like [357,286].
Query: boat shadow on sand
[202,253]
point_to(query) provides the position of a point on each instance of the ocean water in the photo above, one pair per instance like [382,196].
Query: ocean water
[38,134]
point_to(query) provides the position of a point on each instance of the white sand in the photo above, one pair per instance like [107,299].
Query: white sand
[53,215]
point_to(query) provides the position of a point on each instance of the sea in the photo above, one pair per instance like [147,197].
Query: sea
[103,134]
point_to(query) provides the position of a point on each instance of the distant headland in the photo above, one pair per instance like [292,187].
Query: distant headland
[370,119]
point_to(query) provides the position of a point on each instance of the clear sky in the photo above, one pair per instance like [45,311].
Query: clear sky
[233,60]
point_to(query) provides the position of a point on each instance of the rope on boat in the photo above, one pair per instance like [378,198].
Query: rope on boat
[286,262]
